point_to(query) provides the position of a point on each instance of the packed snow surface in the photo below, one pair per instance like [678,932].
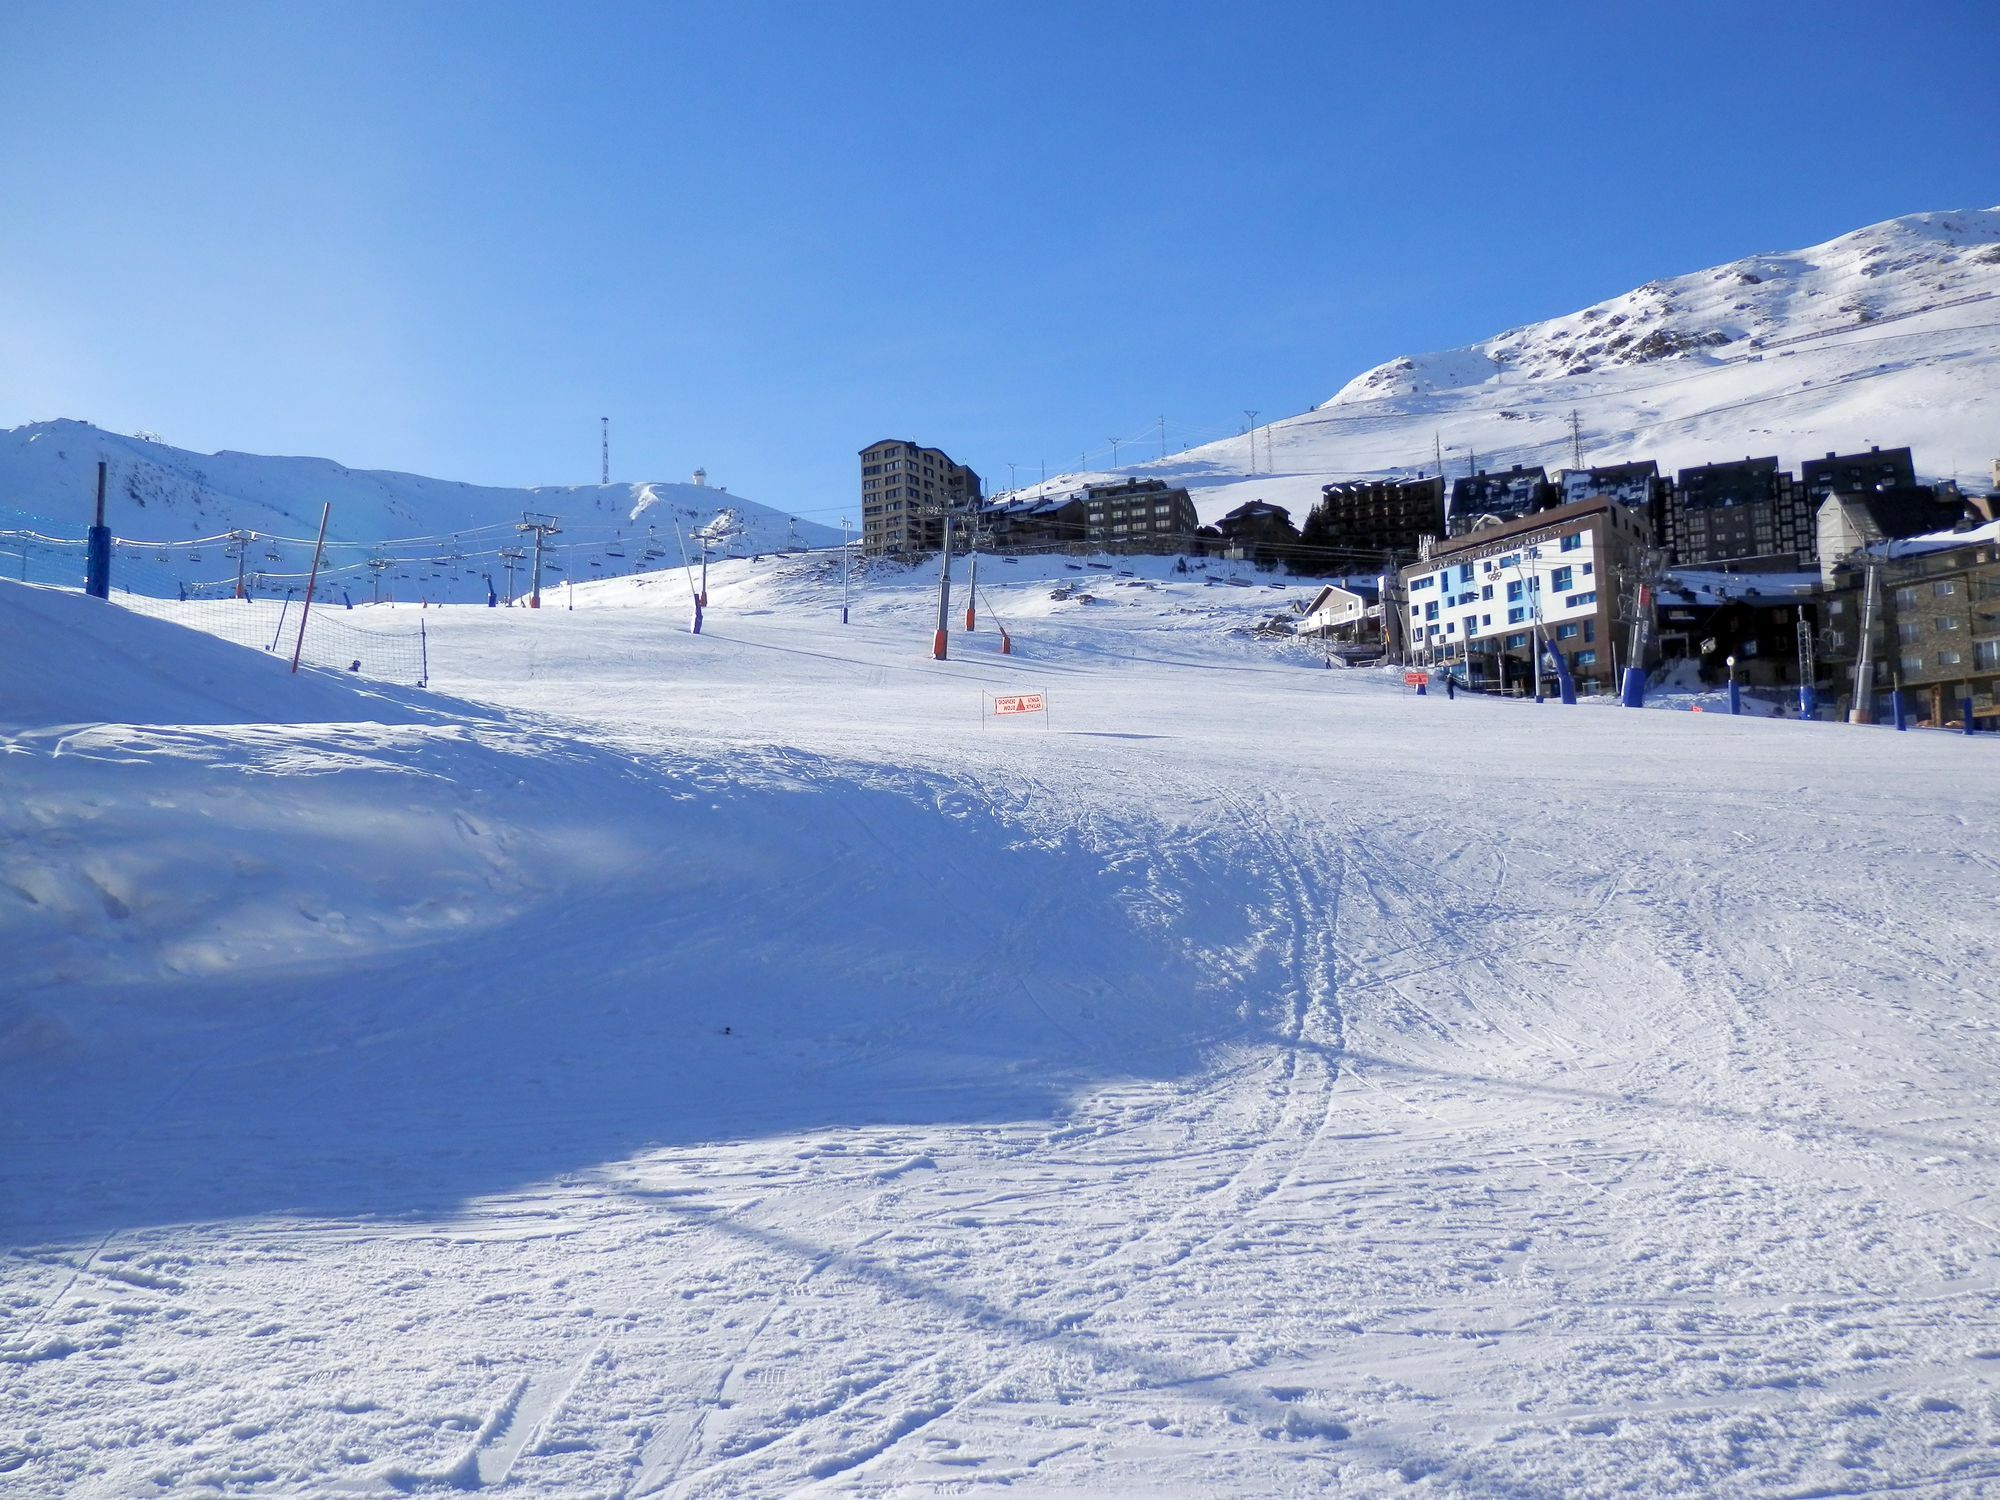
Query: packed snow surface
[735,1064]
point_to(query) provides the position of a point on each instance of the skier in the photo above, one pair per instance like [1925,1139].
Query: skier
[1450,688]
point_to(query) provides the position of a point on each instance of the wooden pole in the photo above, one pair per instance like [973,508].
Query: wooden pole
[312,578]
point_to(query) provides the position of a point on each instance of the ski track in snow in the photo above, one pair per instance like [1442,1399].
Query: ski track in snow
[1257,1082]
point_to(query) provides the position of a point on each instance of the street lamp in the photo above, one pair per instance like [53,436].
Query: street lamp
[1735,697]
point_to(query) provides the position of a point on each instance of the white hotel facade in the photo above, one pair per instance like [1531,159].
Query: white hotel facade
[1485,604]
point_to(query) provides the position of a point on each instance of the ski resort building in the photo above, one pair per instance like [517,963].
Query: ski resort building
[1146,514]
[1738,511]
[1637,486]
[1848,523]
[1350,611]
[1937,630]
[905,492]
[1038,521]
[1507,496]
[1259,531]
[1134,515]
[1488,602]
[1377,515]
[1869,473]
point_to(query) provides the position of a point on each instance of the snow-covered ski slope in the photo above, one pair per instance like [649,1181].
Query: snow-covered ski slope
[723,1065]
[1889,335]
[433,539]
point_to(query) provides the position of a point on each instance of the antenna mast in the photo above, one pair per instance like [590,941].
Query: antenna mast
[605,472]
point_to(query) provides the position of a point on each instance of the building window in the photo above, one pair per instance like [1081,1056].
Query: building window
[1986,656]
[1486,619]
[1561,579]
[1516,642]
[1912,665]
[1486,591]
[1465,572]
[1586,570]
[1568,632]
[1944,588]
[1949,658]
[1431,610]
[1514,590]
[1577,601]
[1907,631]
[1517,614]
[1586,659]
[1572,542]
[1421,583]
[1947,622]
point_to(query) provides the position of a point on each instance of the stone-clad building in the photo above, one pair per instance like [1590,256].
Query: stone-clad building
[1937,627]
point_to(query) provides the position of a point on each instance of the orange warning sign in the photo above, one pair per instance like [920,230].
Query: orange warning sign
[1416,679]
[1019,703]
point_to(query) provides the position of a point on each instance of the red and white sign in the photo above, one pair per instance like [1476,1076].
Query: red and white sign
[1020,703]
[1416,679]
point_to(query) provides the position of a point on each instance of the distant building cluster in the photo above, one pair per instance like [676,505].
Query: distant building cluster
[1785,578]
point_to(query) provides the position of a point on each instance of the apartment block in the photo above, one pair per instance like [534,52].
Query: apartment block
[905,491]
[1937,626]
[1143,513]
[1486,602]
[1729,512]
[1377,515]
[1506,495]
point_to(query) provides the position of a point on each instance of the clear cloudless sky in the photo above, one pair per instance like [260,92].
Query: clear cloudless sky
[448,237]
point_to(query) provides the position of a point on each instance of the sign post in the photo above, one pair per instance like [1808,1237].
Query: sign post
[1013,705]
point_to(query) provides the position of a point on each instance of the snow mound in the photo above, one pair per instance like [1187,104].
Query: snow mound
[71,659]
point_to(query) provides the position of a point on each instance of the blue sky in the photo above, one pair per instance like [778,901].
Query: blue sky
[446,238]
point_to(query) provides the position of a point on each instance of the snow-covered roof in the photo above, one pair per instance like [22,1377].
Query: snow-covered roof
[1700,586]
[1936,541]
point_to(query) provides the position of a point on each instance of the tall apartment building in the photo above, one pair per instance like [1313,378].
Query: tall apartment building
[1377,515]
[905,492]
[1729,512]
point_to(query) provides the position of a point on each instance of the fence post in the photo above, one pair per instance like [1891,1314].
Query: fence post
[1896,708]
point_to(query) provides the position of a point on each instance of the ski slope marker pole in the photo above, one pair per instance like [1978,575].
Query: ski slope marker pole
[312,578]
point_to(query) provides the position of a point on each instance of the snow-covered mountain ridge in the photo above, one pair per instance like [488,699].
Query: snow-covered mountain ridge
[438,537]
[1885,272]
[1888,335]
